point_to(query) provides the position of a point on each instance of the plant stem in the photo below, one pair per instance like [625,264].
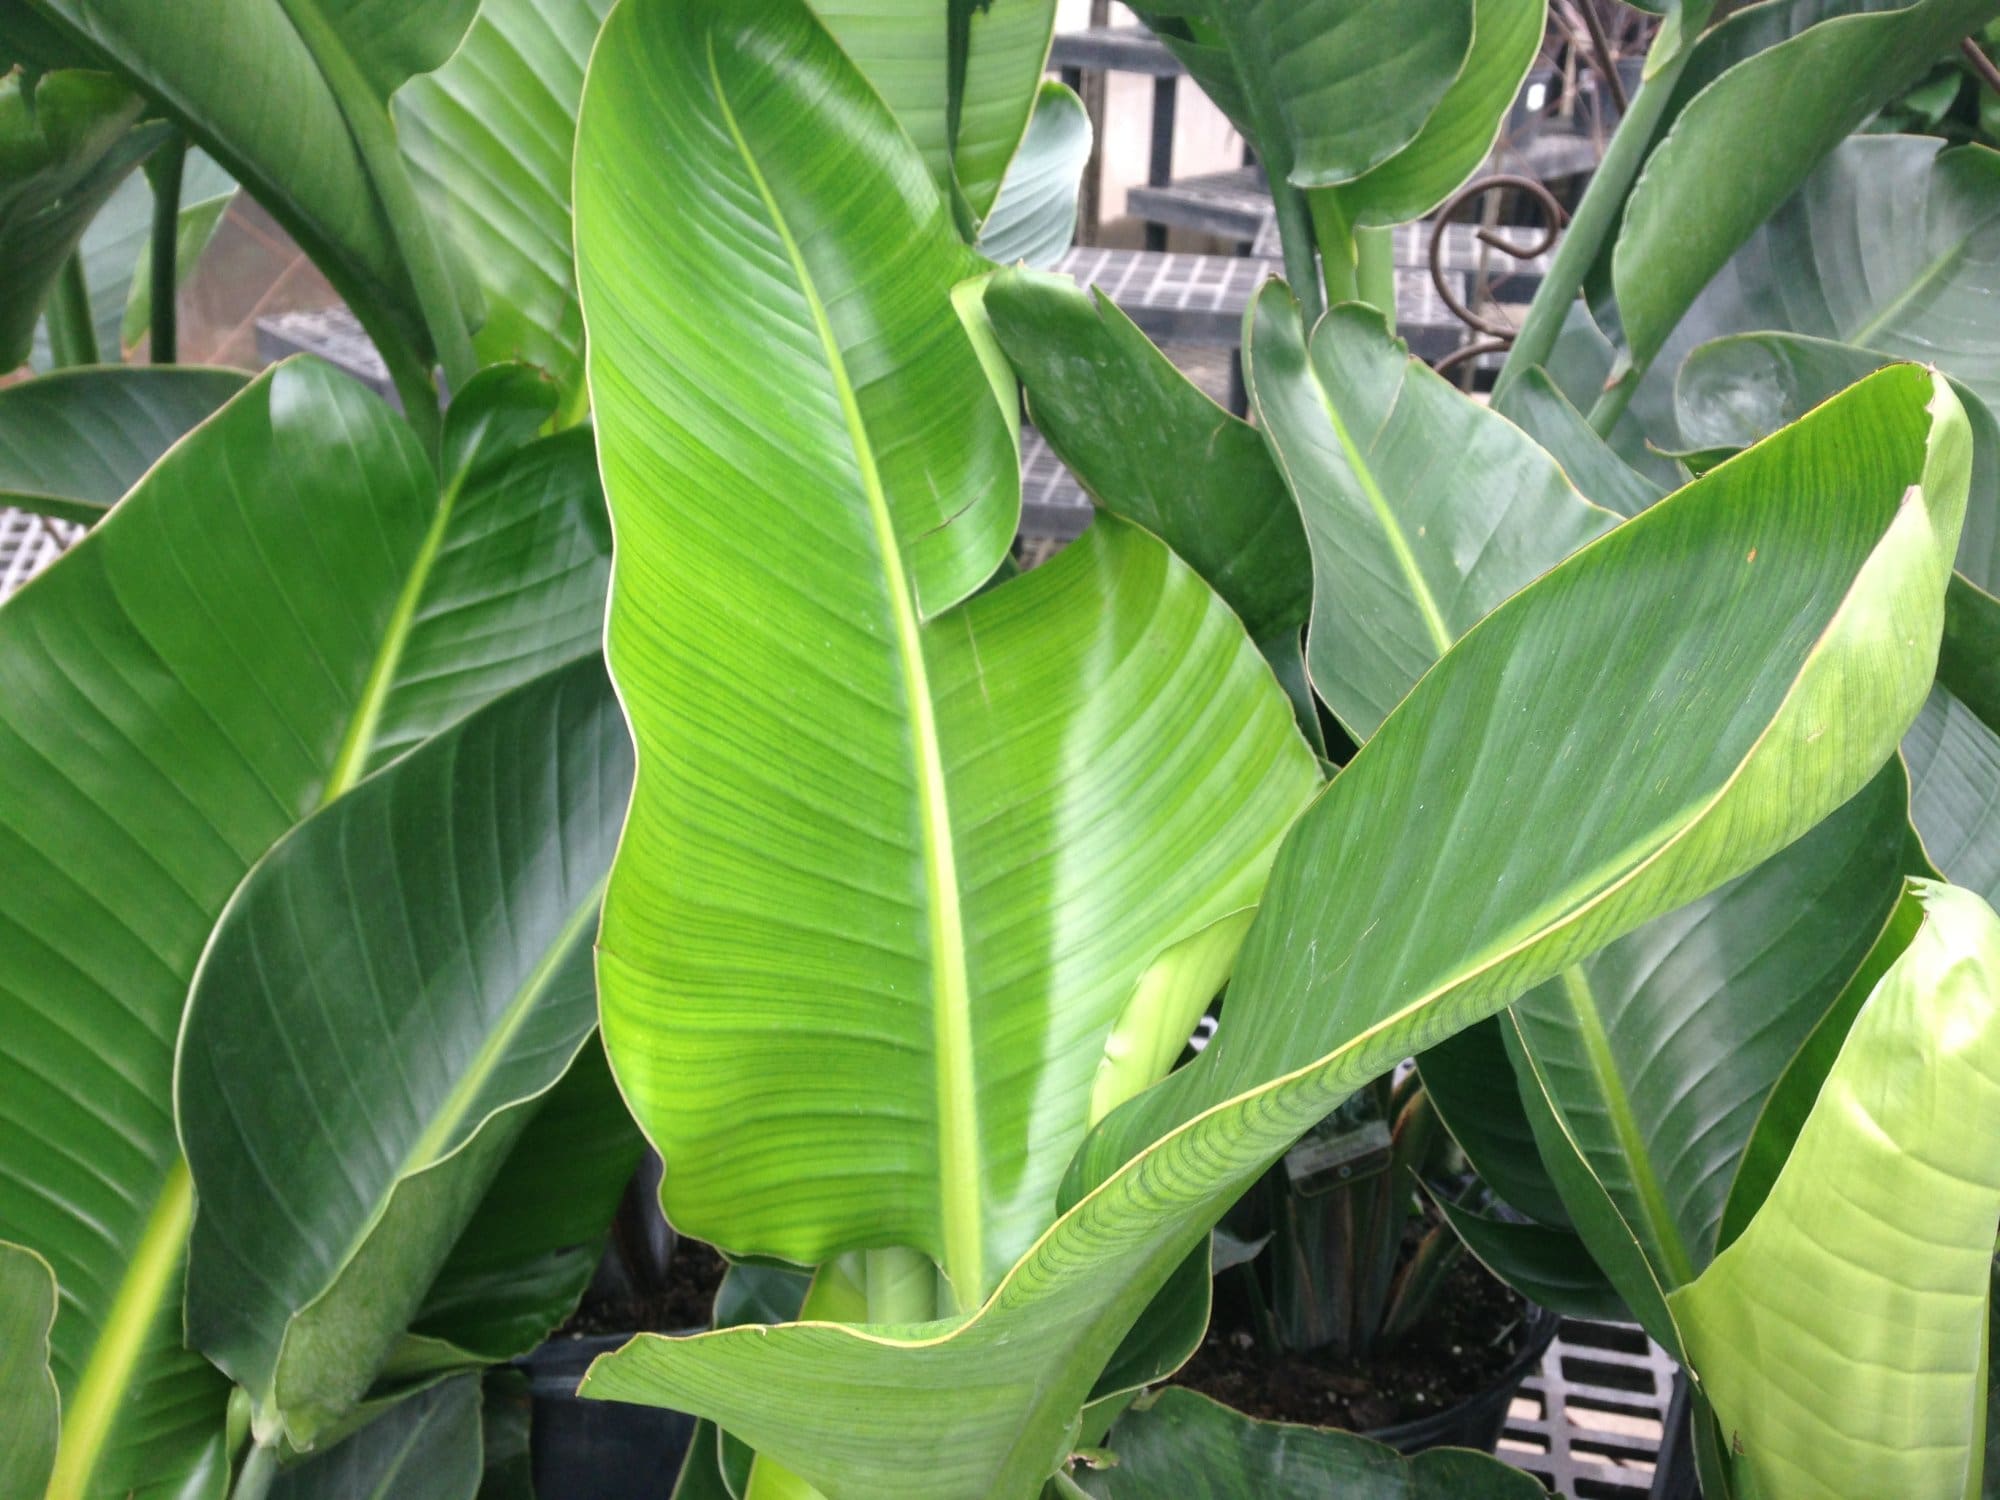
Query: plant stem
[1337,259]
[72,333]
[1613,399]
[1068,1487]
[260,1468]
[166,174]
[1375,270]
[902,1286]
[1295,233]
[1596,221]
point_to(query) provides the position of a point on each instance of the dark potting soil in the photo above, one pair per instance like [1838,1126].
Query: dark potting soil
[1474,1331]
[685,1301]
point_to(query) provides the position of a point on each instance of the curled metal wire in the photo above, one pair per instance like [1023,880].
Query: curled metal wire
[1554,218]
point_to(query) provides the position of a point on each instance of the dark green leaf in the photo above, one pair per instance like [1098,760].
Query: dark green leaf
[72,443]
[1183,1444]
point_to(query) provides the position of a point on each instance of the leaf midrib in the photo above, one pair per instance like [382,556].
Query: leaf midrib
[951,1013]
[1610,1084]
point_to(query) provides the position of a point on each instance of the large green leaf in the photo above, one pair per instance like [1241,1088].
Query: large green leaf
[1455,139]
[1034,217]
[1180,1443]
[961,77]
[1327,89]
[1656,1055]
[1003,804]
[1702,194]
[291,96]
[489,137]
[27,1388]
[1680,714]
[66,142]
[432,929]
[214,661]
[1842,1337]
[1891,244]
[426,1448]
[1423,509]
[72,443]
[1151,446]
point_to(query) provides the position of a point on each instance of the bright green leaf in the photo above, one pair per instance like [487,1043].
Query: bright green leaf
[1001,804]
[1839,1337]
[1687,718]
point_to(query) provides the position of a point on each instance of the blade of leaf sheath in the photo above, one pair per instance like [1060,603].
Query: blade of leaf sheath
[506,1414]
[1180,1442]
[1461,130]
[1151,446]
[432,929]
[27,1387]
[1695,702]
[1535,405]
[1659,1051]
[69,139]
[904,48]
[1549,1266]
[931,847]
[1471,1083]
[291,96]
[489,137]
[523,1261]
[1840,1347]
[426,1448]
[168,715]
[1954,761]
[1034,216]
[1695,203]
[73,442]
[1423,509]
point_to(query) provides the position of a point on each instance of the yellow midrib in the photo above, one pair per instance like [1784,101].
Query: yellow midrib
[951,1010]
[1624,1124]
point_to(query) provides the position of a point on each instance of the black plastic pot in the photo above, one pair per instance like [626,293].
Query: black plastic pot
[1674,1476]
[1476,1421]
[598,1450]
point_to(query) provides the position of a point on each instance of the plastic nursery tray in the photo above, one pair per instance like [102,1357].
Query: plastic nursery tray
[1590,1423]
[29,543]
